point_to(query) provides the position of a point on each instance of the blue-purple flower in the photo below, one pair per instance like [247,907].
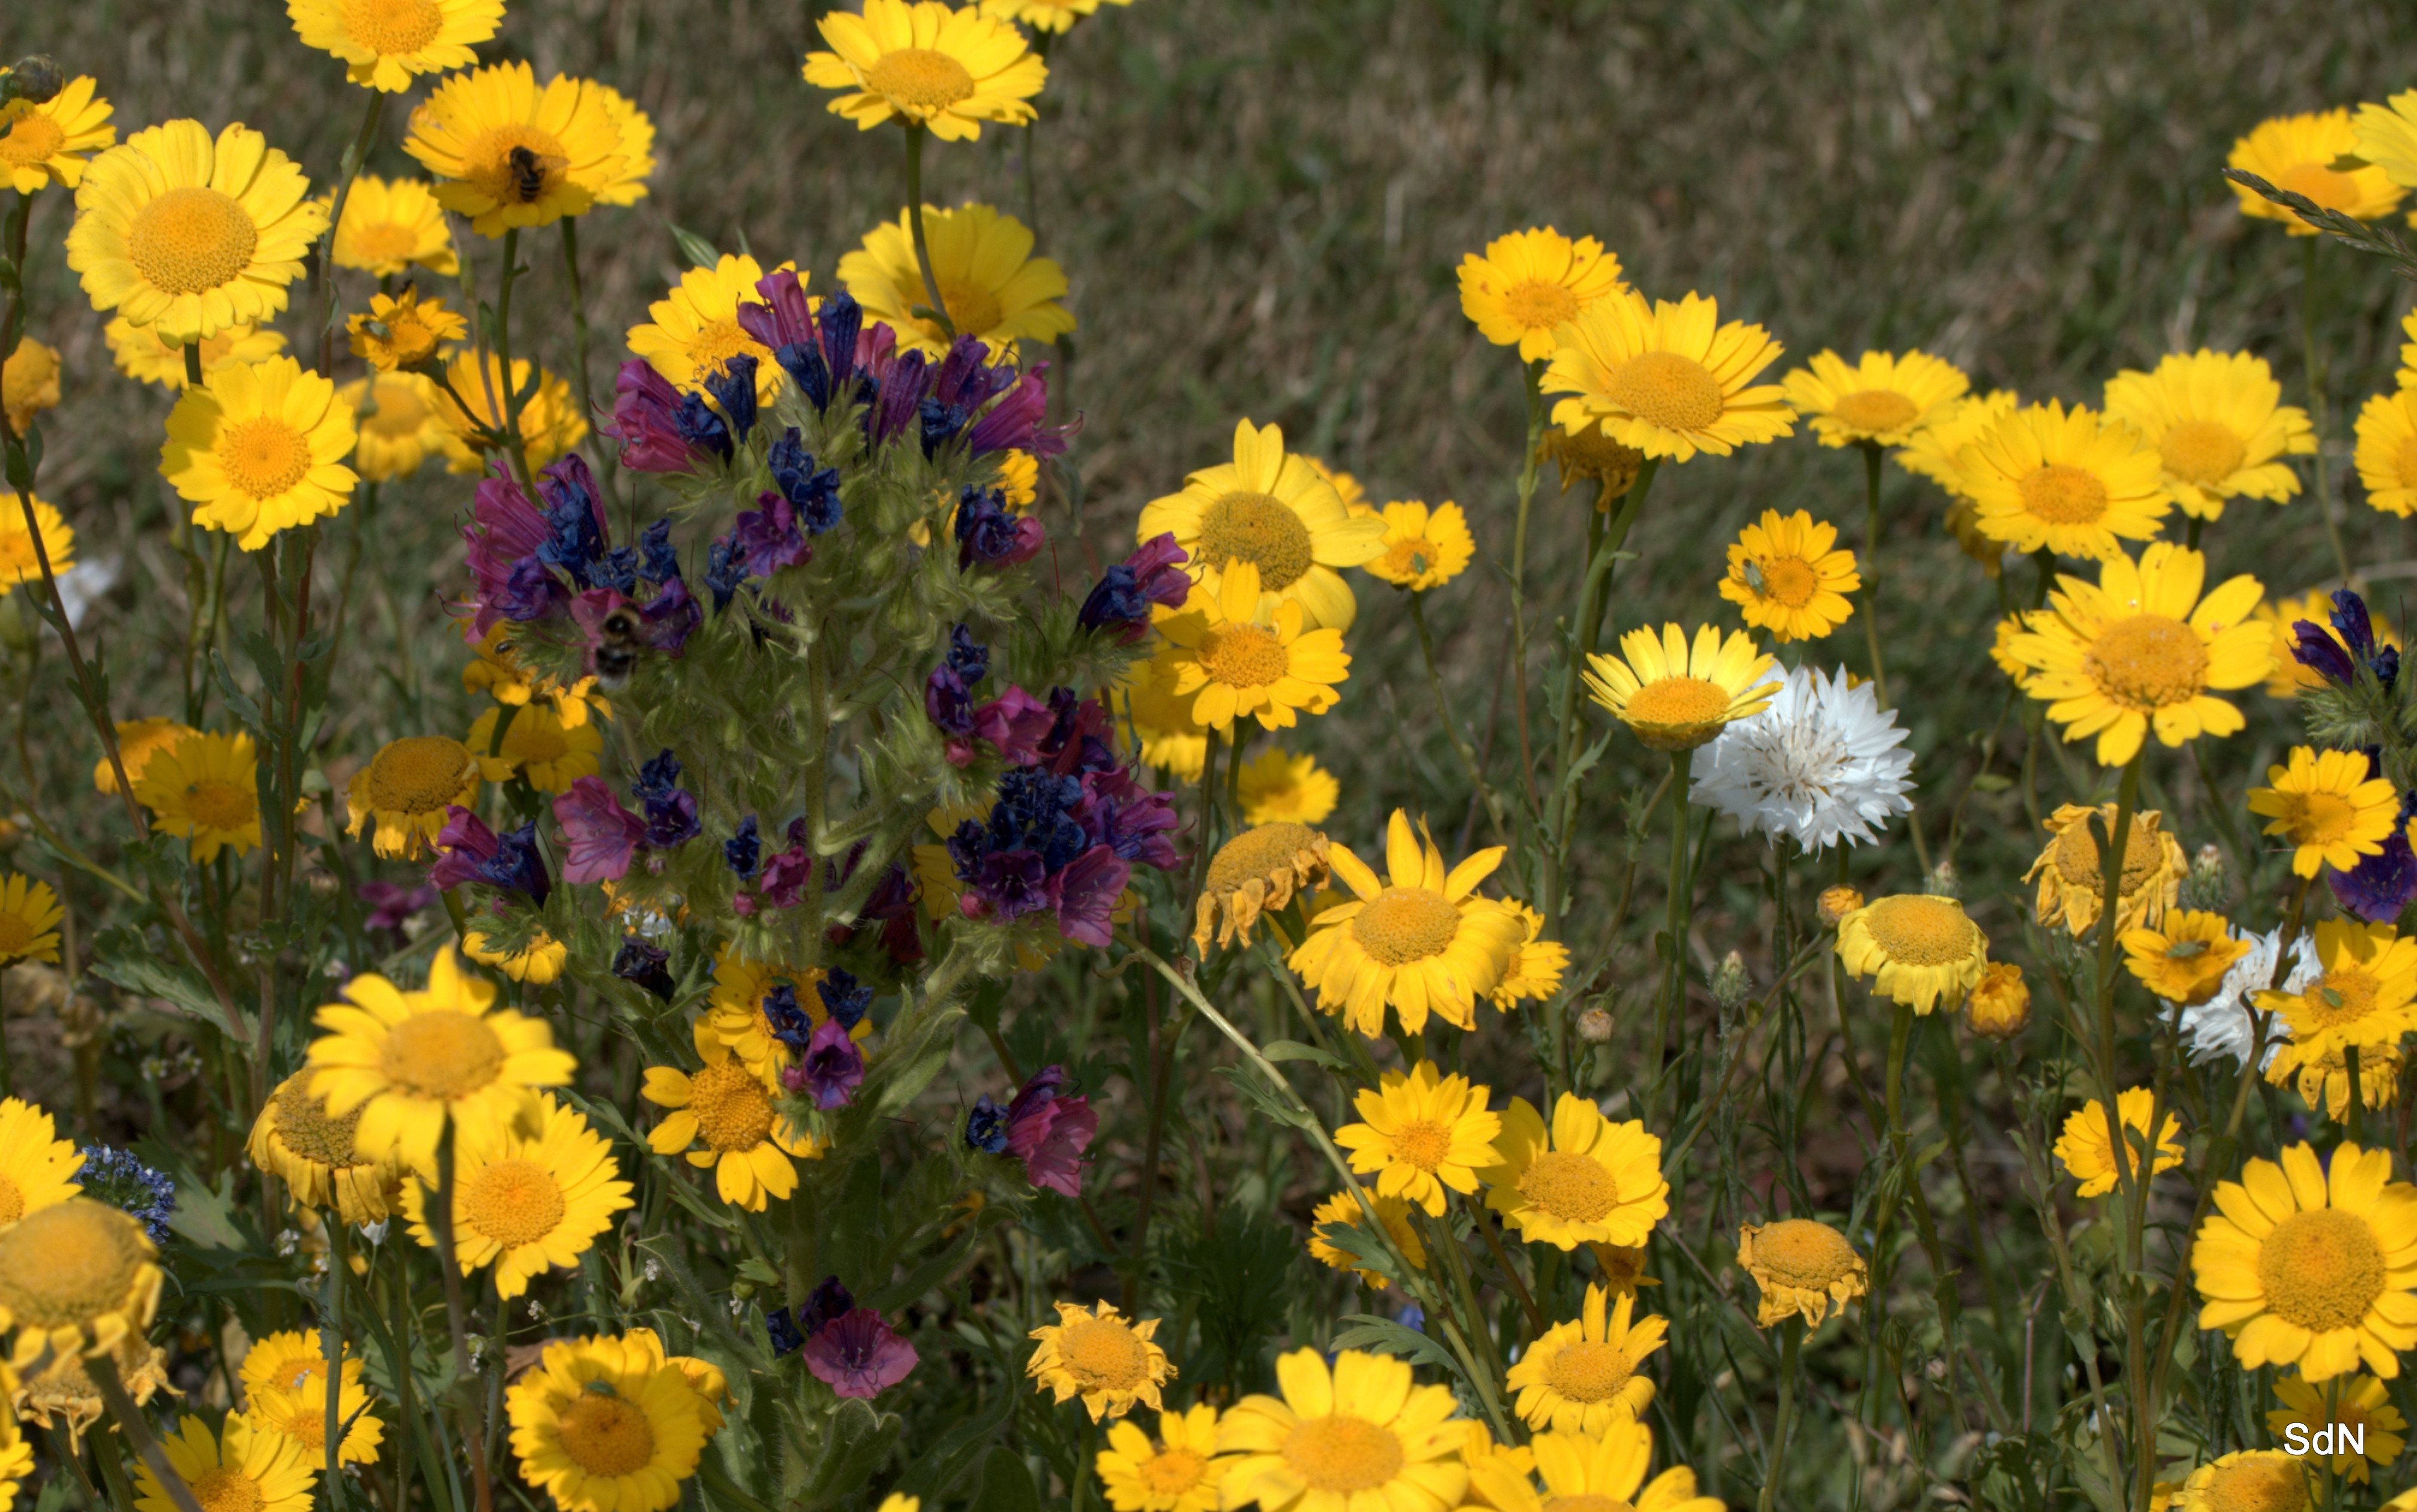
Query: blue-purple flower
[471,852]
[1122,599]
[646,965]
[989,534]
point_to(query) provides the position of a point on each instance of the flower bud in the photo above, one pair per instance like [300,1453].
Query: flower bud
[1835,904]
[2000,1008]
[1729,984]
[36,78]
[1594,1027]
[1944,882]
[2206,887]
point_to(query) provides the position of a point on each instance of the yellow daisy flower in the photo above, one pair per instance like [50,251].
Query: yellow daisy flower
[2218,420]
[142,354]
[75,1277]
[1530,284]
[29,918]
[398,424]
[2362,998]
[2069,481]
[2186,960]
[606,1425]
[2002,650]
[1936,447]
[1423,942]
[2311,1263]
[387,47]
[285,1393]
[926,64]
[1536,966]
[406,788]
[311,1150]
[992,284]
[1589,455]
[2329,806]
[191,233]
[695,331]
[537,963]
[1343,1209]
[1236,652]
[627,184]
[2072,883]
[1423,549]
[45,142]
[1272,511]
[1583,1376]
[1787,576]
[204,789]
[37,1168]
[1882,399]
[1803,1269]
[2141,650]
[1362,1433]
[499,672]
[403,333]
[2297,153]
[2267,1479]
[259,448]
[245,1466]
[1101,1358]
[526,1202]
[1355,497]
[1586,1180]
[393,225]
[1667,379]
[29,383]
[2386,136]
[550,423]
[1171,739]
[2001,1007]
[536,745]
[1257,872]
[1919,950]
[2287,677]
[1278,787]
[17,561]
[1424,1132]
[507,154]
[1179,1471]
[2365,1404]
[1592,1472]
[2088,1156]
[748,1141]
[2387,451]
[1673,697]
[412,1060]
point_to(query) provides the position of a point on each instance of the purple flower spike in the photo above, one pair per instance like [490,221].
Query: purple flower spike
[602,832]
[859,1354]
[824,1305]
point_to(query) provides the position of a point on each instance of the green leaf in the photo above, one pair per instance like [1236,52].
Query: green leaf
[693,247]
[1006,1484]
[1295,1050]
[1368,1332]
[126,960]
[1253,1088]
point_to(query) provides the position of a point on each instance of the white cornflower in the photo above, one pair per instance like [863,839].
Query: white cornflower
[1819,765]
[2225,1024]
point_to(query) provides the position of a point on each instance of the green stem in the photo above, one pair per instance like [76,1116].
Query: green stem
[193,364]
[2355,1124]
[1871,566]
[1208,823]
[440,1221]
[1529,460]
[915,226]
[331,1355]
[2111,906]
[2312,363]
[1791,1344]
[1459,745]
[102,1368]
[1681,907]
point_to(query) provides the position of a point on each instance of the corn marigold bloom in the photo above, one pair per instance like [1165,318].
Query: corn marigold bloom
[1362,1431]
[413,1058]
[311,1150]
[992,285]
[406,788]
[1422,1132]
[1587,454]
[76,1276]
[1667,379]
[285,1393]
[2298,153]
[1279,786]
[537,963]
[2386,136]
[1178,1473]
[259,448]
[2000,1008]
[536,745]
[191,233]
[606,1424]
[2312,1263]
[2088,1156]
[1238,653]
[2329,806]
[1528,284]
[37,1168]
[17,561]
[747,1141]
[510,154]
[526,1202]
[29,918]
[1105,1359]
[747,996]
[1590,1472]
[1881,400]
[626,183]
[1584,1181]
[550,423]
[61,1395]
[1423,549]
[1822,764]
[694,331]
[1423,942]
[1789,577]
[1584,1375]
[2386,457]
[2363,996]
[2073,882]
[203,790]
[393,225]
[1344,1208]
[1273,512]
[1171,739]
[45,141]
[926,64]
[2218,420]
[1936,448]
[2141,649]
[1804,1269]
[1918,949]
[405,332]
[387,47]
[398,424]
[2186,960]
[142,354]
[2070,480]
[1536,966]
[1675,697]
[246,1465]
[2268,1479]
[29,383]
[2364,1403]
[1257,872]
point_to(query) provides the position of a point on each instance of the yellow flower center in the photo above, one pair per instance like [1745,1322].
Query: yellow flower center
[408,337]
[32,136]
[513,1202]
[1789,580]
[972,309]
[1258,529]
[2316,819]
[66,1265]
[382,241]
[419,774]
[1172,1471]
[2076,854]
[13,1202]
[2202,451]
[1102,1354]
[605,1434]
[1421,1142]
[1675,392]
[1922,931]
[1538,305]
[400,412]
[734,1113]
[227,1488]
[1593,454]
[488,163]
[920,79]
[2343,997]
[2148,662]
[1569,1186]
[1590,1371]
[1244,656]
[1342,1453]
[2062,495]
[1800,1253]
[1678,703]
[304,1124]
[1874,410]
[2256,1486]
[388,27]
[1588,1501]
[442,1055]
[717,342]
[191,240]
[264,455]
[215,804]
[2321,1269]
[1264,852]
[1402,925]
[2330,190]
[1414,558]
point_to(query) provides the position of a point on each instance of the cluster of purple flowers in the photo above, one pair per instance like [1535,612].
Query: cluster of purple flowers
[988,533]
[775,534]
[530,564]
[601,836]
[826,1066]
[1042,1127]
[641,961]
[852,1350]
[1122,599]
[2337,661]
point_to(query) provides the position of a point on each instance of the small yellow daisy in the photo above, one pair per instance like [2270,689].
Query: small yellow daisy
[1788,576]
[1882,399]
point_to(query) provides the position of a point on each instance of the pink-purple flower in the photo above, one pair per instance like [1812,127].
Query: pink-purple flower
[859,1354]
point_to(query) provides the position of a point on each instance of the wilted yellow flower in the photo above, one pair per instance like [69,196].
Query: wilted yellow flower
[1804,1268]
[2072,879]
